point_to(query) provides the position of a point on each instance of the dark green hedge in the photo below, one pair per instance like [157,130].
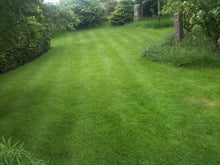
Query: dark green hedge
[14,57]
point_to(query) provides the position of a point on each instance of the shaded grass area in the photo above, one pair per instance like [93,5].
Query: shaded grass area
[93,99]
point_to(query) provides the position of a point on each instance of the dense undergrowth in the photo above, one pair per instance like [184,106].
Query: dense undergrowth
[194,50]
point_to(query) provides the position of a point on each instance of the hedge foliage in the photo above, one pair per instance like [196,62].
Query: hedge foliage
[23,34]
[14,57]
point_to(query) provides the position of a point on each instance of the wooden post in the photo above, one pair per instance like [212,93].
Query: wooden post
[178,24]
[137,12]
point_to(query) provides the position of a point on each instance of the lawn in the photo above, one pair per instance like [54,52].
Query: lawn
[94,100]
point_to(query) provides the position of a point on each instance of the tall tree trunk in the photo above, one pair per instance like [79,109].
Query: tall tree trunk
[159,10]
[215,45]
[142,9]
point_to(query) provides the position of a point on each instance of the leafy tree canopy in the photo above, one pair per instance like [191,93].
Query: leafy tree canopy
[203,13]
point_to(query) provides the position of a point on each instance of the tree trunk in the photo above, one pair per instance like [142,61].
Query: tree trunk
[215,45]
[159,9]
[142,9]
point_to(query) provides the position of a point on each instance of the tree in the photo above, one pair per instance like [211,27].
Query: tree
[154,7]
[159,10]
[88,11]
[208,17]
[186,9]
[124,13]
[110,6]
[203,13]
[61,16]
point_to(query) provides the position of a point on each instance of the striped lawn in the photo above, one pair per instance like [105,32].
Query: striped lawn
[94,100]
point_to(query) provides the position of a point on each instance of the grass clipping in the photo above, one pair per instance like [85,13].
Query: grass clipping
[194,50]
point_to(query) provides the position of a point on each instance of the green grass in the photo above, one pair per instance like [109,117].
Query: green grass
[93,99]
[153,23]
[194,50]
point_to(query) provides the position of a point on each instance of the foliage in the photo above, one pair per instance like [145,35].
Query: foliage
[60,17]
[37,43]
[123,13]
[208,17]
[89,12]
[193,51]
[23,34]
[204,13]
[150,7]
[15,154]
[110,6]
[16,17]
[186,9]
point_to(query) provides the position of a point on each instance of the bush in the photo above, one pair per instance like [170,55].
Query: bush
[17,56]
[193,51]
[15,154]
[124,13]
[89,12]
[23,33]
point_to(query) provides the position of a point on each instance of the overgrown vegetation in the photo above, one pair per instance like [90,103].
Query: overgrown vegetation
[194,50]
[204,13]
[15,154]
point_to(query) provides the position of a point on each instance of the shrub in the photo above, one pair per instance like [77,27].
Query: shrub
[124,13]
[89,12]
[193,51]
[23,33]
[38,44]
[15,154]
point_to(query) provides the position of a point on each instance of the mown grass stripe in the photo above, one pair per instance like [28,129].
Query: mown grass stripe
[95,100]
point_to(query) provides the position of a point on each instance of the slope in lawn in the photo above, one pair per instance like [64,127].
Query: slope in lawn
[93,99]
